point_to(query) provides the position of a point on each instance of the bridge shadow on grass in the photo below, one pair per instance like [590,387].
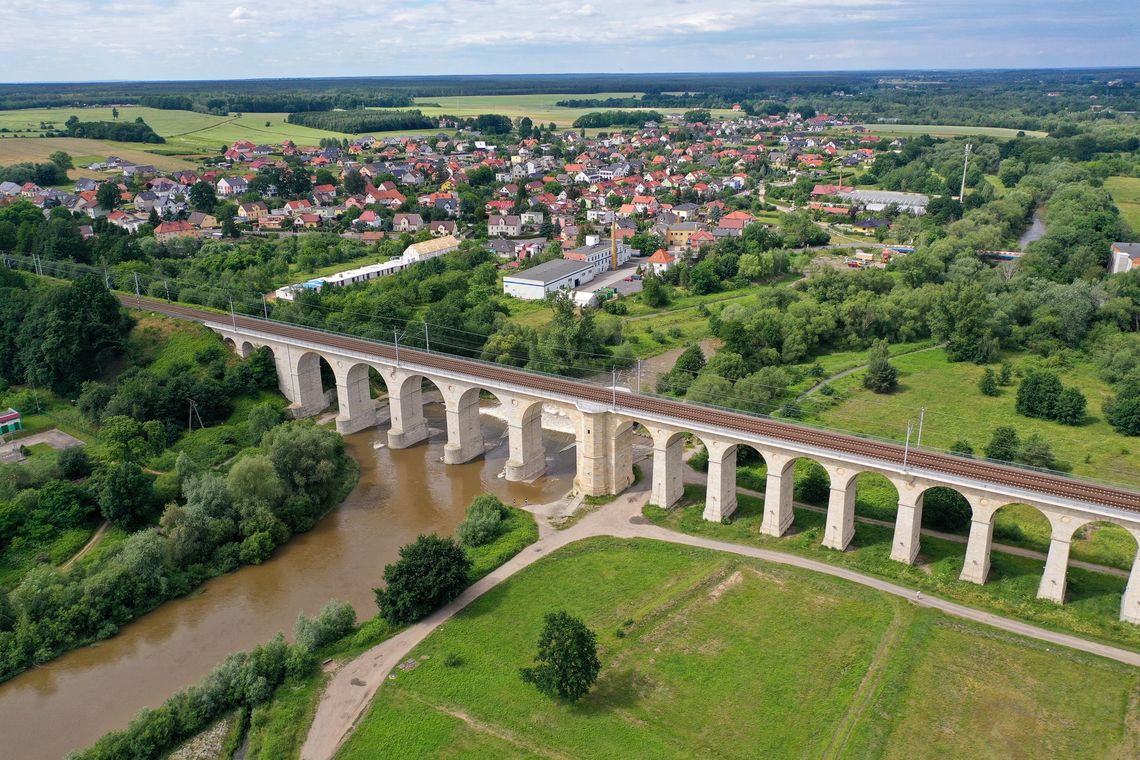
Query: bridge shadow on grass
[1095,591]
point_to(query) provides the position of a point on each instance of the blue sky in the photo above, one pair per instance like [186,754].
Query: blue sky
[77,40]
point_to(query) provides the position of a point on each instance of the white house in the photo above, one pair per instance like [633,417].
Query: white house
[534,284]
[1125,257]
[230,186]
[598,254]
[508,225]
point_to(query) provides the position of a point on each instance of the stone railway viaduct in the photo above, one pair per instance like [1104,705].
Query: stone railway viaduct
[605,419]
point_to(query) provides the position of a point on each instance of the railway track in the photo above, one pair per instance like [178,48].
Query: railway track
[1045,483]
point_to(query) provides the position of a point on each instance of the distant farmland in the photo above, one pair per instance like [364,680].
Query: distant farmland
[945,130]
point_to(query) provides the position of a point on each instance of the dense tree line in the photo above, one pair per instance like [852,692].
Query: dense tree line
[120,131]
[359,122]
[57,337]
[42,174]
[616,118]
[211,524]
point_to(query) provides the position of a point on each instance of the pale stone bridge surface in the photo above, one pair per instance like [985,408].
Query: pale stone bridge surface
[605,431]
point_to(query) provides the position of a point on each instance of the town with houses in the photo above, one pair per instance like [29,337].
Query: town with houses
[683,184]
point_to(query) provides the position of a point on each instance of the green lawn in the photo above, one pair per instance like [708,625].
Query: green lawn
[539,107]
[1125,193]
[957,410]
[720,656]
[1092,609]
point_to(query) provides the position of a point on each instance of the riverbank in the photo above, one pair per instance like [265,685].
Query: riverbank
[101,687]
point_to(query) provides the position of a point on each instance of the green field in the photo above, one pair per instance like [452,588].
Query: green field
[539,107]
[725,657]
[186,132]
[1126,195]
[1092,609]
[957,410]
[945,130]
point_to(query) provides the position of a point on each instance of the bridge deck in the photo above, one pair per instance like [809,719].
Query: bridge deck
[1044,483]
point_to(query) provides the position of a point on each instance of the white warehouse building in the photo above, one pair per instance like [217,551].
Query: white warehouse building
[534,284]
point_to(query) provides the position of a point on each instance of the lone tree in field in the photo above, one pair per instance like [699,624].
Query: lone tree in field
[881,375]
[988,385]
[430,573]
[567,663]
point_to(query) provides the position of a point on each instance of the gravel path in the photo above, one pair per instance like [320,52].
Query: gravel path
[351,690]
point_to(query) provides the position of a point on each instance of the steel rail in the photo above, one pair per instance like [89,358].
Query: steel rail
[1013,477]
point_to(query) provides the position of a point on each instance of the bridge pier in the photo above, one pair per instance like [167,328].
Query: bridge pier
[778,514]
[840,521]
[527,459]
[357,410]
[299,378]
[1130,602]
[464,436]
[977,564]
[668,448]
[1055,578]
[720,493]
[406,408]
[908,524]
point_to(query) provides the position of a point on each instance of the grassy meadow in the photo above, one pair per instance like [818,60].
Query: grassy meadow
[1125,193]
[957,410]
[1092,609]
[539,107]
[707,654]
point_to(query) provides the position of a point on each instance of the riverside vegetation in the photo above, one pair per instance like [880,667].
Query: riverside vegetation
[184,506]
[271,692]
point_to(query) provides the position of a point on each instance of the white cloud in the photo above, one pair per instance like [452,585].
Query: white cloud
[241,13]
[522,36]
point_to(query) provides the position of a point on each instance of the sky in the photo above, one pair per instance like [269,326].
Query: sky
[86,40]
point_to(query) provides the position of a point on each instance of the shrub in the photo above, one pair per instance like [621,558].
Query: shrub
[335,620]
[945,509]
[430,572]
[567,662]
[814,487]
[256,548]
[962,448]
[74,463]
[1004,445]
[1070,409]
[881,377]
[988,385]
[484,521]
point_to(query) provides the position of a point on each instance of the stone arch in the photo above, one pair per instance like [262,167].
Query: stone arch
[315,383]
[668,464]
[358,386]
[247,348]
[1098,539]
[406,406]
[231,345]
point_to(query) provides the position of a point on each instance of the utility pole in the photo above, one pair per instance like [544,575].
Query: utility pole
[396,337]
[906,447]
[614,404]
[965,163]
[166,286]
[921,414]
[138,294]
[427,339]
[264,306]
[233,317]
[639,377]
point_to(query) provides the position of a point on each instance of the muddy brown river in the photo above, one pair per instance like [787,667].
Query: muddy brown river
[69,703]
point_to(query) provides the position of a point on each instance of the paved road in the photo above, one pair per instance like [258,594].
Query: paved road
[352,688]
[55,438]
